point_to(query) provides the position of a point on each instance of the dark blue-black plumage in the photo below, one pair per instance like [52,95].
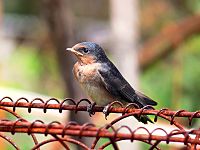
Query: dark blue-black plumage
[111,78]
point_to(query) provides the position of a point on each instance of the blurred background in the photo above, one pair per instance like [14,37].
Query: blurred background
[155,44]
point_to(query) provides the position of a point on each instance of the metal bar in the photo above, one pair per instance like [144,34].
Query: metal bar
[23,127]
[45,106]
[62,132]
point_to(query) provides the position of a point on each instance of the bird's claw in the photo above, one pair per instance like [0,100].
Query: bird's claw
[105,111]
[90,108]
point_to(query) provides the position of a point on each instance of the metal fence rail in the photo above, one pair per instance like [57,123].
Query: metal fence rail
[64,133]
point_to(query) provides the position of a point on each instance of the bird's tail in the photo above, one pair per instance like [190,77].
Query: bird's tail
[143,101]
[144,119]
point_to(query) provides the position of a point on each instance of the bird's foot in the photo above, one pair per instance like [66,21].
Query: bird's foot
[105,111]
[90,108]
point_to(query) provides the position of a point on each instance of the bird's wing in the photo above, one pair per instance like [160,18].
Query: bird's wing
[114,82]
[145,98]
[119,87]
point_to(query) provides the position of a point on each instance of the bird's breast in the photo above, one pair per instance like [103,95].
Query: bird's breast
[87,73]
[90,81]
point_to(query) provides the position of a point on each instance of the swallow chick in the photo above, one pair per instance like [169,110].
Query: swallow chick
[102,81]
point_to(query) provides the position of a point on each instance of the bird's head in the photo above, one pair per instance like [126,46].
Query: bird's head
[88,52]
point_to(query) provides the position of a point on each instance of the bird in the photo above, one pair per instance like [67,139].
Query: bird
[102,81]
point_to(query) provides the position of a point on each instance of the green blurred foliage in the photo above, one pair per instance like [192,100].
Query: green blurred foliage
[35,70]
[157,81]
[191,73]
[194,5]
[21,7]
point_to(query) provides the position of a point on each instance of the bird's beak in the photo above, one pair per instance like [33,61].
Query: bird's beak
[74,51]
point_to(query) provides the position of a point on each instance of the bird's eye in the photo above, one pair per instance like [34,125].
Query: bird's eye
[85,50]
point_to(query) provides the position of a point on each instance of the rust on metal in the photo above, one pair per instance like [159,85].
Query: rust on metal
[65,133]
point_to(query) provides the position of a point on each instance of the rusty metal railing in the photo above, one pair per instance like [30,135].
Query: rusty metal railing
[64,133]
